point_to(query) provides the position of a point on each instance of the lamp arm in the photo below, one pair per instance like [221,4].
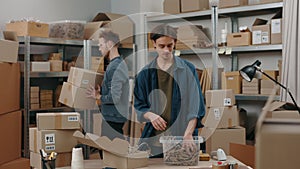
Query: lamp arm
[294,101]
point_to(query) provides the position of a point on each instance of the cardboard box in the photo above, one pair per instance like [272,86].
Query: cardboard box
[15,164]
[219,98]
[34,106]
[244,153]
[67,29]
[239,39]
[252,87]
[62,160]
[29,28]
[120,24]
[116,152]
[75,97]
[56,65]
[261,32]
[232,3]
[55,121]
[276,28]
[97,123]
[277,139]
[59,141]
[11,140]
[9,47]
[84,78]
[272,73]
[264,1]
[221,117]
[194,5]
[277,110]
[232,80]
[40,66]
[221,138]
[172,6]
[9,87]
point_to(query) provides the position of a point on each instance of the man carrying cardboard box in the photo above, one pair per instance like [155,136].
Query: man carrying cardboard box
[112,96]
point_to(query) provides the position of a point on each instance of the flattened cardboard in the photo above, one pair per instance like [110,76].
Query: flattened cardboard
[116,153]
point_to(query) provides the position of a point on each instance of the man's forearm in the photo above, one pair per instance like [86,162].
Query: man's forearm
[190,127]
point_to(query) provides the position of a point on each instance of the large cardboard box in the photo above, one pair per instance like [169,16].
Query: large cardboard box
[55,121]
[120,24]
[276,28]
[222,138]
[11,136]
[24,28]
[9,47]
[244,153]
[219,98]
[232,3]
[116,153]
[232,80]
[84,78]
[9,87]
[172,6]
[278,110]
[222,117]
[59,141]
[261,32]
[75,97]
[194,5]
[239,39]
[20,163]
[62,160]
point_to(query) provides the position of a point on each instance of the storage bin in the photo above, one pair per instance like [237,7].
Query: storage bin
[177,153]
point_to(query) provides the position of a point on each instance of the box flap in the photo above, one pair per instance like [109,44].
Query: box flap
[259,21]
[277,15]
[10,35]
[275,105]
[106,17]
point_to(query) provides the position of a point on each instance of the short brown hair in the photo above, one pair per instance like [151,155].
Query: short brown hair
[109,35]
[163,30]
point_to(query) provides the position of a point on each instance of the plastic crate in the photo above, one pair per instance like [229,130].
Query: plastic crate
[176,151]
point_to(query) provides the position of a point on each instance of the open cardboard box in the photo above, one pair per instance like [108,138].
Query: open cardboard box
[116,152]
[9,47]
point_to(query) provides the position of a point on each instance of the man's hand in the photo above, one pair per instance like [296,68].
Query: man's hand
[158,122]
[91,92]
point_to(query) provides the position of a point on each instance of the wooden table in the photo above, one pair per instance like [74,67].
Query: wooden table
[158,164]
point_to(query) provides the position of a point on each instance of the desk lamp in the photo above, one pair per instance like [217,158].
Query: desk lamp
[249,71]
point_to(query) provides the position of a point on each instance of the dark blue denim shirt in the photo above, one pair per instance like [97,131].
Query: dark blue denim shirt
[115,91]
[187,98]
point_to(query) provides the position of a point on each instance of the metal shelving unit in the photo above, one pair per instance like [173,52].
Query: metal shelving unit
[254,97]
[27,41]
[234,13]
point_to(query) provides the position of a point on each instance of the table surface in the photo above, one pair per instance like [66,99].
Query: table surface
[158,164]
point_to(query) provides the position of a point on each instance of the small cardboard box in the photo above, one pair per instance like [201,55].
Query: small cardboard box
[18,163]
[9,87]
[120,24]
[11,140]
[172,6]
[219,98]
[84,78]
[221,138]
[62,160]
[56,65]
[251,87]
[9,47]
[116,153]
[194,5]
[261,32]
[276,28]
[232,80]
[40,66]
[59,141]
[75,97]
[239,39]
[29,28]
[54,121]
[221,117]
[277,110]
[232,3]
[244,153]
[272,73]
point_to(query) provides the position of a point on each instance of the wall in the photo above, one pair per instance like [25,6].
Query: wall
[51,10]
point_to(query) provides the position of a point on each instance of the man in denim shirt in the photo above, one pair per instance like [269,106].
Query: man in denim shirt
[113,95]
[167,93]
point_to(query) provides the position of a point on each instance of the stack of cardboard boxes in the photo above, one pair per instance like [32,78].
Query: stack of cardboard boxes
[54,133]
[34,97]
[222,116]
[73,93]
